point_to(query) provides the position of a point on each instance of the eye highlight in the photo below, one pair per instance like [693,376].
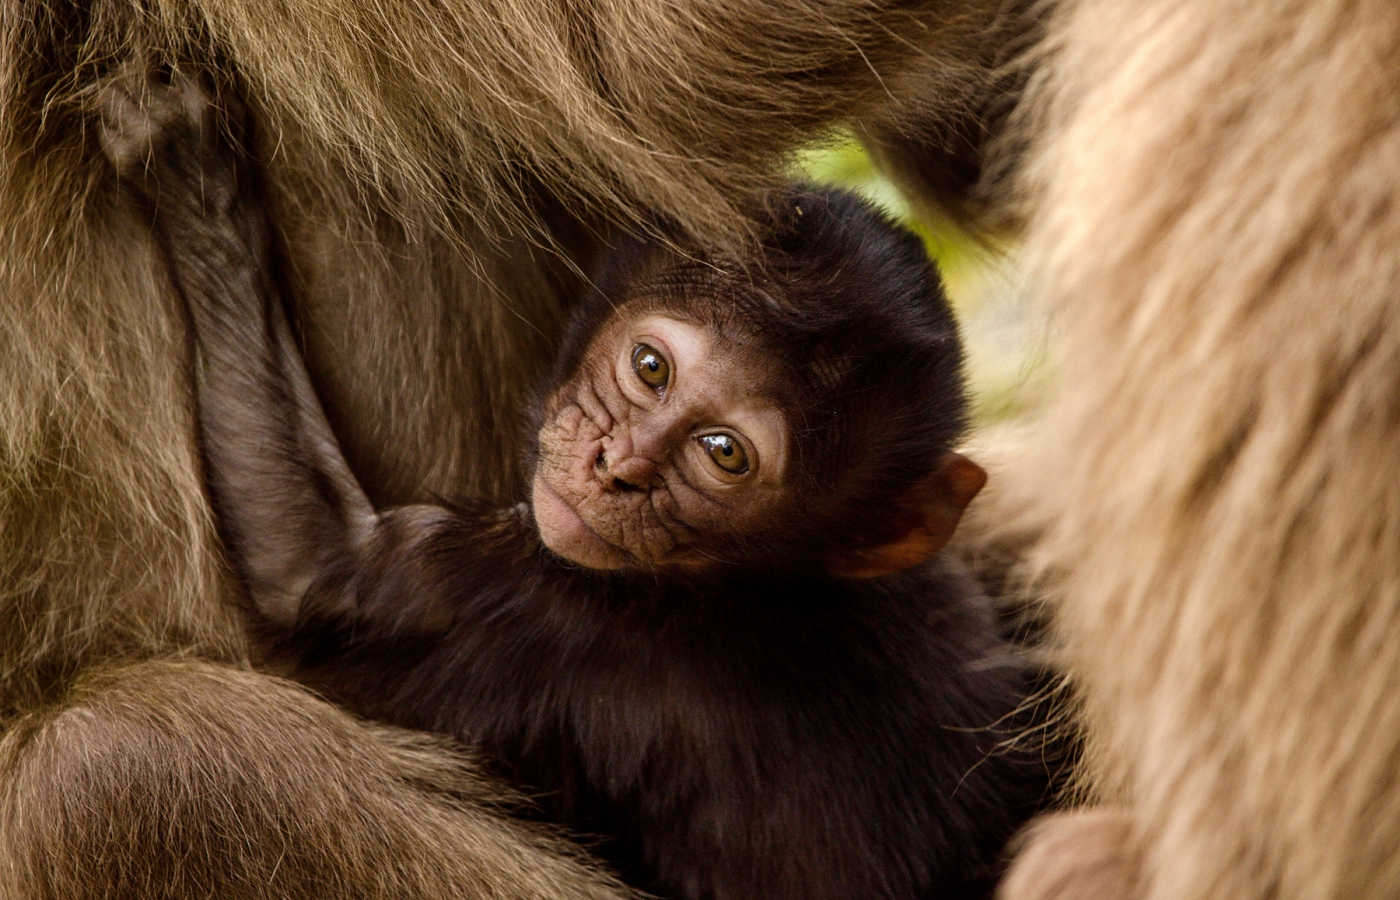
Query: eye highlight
[651,367]
[726,452]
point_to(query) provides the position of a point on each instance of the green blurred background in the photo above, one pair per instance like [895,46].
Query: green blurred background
[1006,348]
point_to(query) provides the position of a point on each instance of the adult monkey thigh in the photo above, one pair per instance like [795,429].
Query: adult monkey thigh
[439,173]
[1218,225]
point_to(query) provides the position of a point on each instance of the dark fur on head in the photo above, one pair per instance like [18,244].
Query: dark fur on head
[845,308]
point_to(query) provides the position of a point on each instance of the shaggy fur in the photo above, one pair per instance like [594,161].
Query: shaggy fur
[419,159]
[1217,226]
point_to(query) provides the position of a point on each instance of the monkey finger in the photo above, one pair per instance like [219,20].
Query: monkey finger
[216,113]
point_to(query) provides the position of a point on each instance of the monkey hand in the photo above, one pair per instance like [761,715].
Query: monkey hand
[171,140]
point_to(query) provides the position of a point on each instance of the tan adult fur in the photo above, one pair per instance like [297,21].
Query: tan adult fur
[1073,856]
[1216,222]
[439,172]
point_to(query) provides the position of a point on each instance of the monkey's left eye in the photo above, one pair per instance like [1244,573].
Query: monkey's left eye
[651,367]
[727,452]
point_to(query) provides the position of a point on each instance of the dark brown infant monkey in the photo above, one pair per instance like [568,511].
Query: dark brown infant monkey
[718,635]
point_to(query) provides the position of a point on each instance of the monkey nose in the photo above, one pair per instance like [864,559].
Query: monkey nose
[631,473]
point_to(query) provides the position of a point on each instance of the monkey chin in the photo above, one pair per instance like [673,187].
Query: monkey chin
[565,533]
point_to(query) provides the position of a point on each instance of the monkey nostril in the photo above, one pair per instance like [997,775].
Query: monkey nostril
[625,475]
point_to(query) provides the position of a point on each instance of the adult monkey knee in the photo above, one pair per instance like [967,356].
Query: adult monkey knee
[1073,856]
[183,779]
[439,175]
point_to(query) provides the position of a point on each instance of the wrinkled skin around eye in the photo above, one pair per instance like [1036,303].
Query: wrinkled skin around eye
[622,479]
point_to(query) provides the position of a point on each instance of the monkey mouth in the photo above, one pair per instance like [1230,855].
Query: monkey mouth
[567,534]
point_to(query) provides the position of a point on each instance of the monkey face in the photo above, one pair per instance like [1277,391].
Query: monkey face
[662,451]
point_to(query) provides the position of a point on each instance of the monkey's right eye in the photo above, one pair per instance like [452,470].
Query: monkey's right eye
[651,367]
[726,452]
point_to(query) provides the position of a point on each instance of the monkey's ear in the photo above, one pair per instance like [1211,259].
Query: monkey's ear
[927,517]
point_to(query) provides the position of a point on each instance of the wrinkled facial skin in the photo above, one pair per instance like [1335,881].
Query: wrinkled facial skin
[637,448]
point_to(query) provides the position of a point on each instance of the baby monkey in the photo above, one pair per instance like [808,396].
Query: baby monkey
[718,635]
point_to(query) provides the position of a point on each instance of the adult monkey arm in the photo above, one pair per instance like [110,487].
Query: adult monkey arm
[131,787]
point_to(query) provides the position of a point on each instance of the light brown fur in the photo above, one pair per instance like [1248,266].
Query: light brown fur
[440,174]
[1216,223]
[1069,856]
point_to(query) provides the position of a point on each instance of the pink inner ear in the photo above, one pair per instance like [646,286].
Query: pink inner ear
[963,479]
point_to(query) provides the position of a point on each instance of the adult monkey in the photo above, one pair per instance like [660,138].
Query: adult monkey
[1218,223]
[440,173]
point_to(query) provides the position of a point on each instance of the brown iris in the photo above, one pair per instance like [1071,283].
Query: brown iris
[651,367]
[727,452]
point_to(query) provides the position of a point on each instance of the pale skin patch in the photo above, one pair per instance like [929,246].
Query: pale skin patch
[628,474]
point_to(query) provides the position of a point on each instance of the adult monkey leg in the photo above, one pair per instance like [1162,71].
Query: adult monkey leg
[1217,223]
[439,175]
[216,782]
